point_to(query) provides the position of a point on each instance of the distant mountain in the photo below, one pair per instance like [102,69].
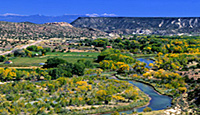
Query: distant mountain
[41,19]
[142,25]
[27,30]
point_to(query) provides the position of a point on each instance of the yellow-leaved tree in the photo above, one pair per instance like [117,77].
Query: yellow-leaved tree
[131,94]
[7,74]
[123,68]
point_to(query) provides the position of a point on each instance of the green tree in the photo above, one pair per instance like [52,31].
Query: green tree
[66,68]
[88,63]
[78,69]
[53,62]
[2,58]
[19,52]
[58,72]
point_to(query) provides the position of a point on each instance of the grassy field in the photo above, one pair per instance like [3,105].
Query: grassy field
[70,57]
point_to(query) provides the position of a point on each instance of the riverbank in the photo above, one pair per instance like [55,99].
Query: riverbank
[149,84]
[131,106]
[174,111]
[158,102]
[132,109]
[157,112]
[143,55]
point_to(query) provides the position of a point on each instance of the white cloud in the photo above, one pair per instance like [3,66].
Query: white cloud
[89,15]
[105,14]
[92,15]
[10,14]
[98,15]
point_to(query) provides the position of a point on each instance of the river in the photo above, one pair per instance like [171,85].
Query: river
[146,60]
[157,102]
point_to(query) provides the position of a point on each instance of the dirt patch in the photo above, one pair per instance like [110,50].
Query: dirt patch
[191,73]
[96,106]
[32,67]
[75,50]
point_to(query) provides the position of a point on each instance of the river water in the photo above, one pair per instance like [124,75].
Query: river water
[157,102]
[146,60]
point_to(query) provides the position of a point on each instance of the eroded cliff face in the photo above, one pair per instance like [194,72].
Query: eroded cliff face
[141,25]
[65,24]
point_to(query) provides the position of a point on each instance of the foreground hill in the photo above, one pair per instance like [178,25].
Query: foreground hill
[142,25]
[27,30]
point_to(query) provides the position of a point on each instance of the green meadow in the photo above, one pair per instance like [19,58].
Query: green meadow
[34,61]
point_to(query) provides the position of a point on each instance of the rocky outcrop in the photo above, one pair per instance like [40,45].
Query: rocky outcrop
[59,24]
[142,25]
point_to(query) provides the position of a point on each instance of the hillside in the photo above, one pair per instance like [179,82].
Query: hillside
[142,25]
[27,30]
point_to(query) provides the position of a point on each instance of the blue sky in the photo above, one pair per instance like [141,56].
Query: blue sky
[141,8]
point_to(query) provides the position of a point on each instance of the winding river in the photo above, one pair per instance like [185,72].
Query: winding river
[157,102]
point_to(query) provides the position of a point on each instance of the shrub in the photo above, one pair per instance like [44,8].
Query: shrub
[115,113]
[147,109]
[2,58]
